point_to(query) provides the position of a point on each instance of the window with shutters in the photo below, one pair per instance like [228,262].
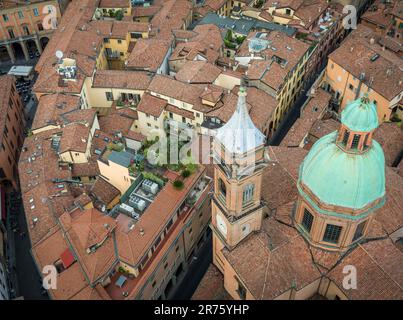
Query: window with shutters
[332,233]
[307,220]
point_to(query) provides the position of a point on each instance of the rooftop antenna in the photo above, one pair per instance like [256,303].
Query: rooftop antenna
[59,55]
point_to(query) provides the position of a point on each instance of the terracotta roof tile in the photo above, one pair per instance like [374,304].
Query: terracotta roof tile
[115,123]
[114,4]
[148,54]
[313,110]
[51,106]
[75,137]
[104,192]
[378,269]
[85,229]
[134,80]
[385,73]
[151,105]
[198,72]
[390,136]
[39,162]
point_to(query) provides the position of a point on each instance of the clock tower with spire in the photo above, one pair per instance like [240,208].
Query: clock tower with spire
[238,152]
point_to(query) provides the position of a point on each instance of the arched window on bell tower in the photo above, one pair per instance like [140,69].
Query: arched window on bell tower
[247,194]
[223,188]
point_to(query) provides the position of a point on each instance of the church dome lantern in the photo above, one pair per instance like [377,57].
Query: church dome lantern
[359,119]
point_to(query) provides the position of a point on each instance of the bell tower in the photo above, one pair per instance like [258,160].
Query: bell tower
[238,152]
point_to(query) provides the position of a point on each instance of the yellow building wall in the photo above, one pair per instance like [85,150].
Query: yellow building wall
[148,125]
[121,47]
[113,203]
[142,19]
[339,79]
[231,284]
[116,175]
[73,157]
[96,97]
[46,128]
[182,105]
[227,81]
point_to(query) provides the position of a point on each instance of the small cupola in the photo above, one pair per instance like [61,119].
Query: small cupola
[359,120]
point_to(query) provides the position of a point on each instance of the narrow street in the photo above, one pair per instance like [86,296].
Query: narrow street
[288,121]
[25,278]
[196,271]
[293,114]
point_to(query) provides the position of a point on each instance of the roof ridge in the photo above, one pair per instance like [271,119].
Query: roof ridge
[265,274]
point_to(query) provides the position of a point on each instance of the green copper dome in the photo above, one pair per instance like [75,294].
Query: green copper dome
[360,115]
[336,177]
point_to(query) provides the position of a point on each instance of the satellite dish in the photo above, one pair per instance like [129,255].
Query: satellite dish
[59,54]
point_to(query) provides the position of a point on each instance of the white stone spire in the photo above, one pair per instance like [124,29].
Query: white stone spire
[239,135]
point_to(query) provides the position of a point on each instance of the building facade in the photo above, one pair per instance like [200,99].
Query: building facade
[26,28]
[377,73]
[12,131]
